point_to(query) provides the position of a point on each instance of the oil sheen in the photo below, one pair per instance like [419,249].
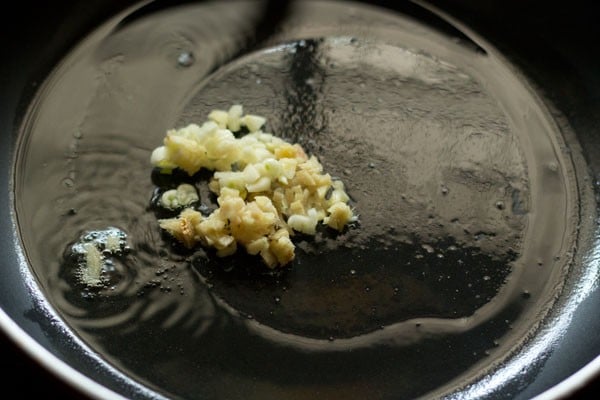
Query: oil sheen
[465,193]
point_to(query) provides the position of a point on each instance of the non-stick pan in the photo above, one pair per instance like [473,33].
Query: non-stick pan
[465,133]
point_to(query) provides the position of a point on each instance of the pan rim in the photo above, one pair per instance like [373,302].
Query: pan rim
[93,390]
[63,371]
[50,363]
[576,381]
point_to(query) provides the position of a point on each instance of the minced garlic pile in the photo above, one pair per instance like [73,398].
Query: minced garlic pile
[267,188]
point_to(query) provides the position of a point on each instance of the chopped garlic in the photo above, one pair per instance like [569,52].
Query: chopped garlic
[94,250]
[304,223]
[233,118]
[340,214]
[253,122]
[113,243]
[220,117]
[183,196]
[275,189]
[94,262]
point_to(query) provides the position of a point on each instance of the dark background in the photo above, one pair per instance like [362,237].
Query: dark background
[557,44]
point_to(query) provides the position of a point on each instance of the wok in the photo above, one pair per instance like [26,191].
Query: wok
[553,350]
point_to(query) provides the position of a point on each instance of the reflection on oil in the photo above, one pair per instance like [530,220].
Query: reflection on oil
[346,292]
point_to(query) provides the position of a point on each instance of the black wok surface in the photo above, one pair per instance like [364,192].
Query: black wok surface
[555,44]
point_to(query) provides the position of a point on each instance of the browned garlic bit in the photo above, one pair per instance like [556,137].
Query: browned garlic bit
[275,190]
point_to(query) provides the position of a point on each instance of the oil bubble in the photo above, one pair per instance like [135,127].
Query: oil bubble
[185,59]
